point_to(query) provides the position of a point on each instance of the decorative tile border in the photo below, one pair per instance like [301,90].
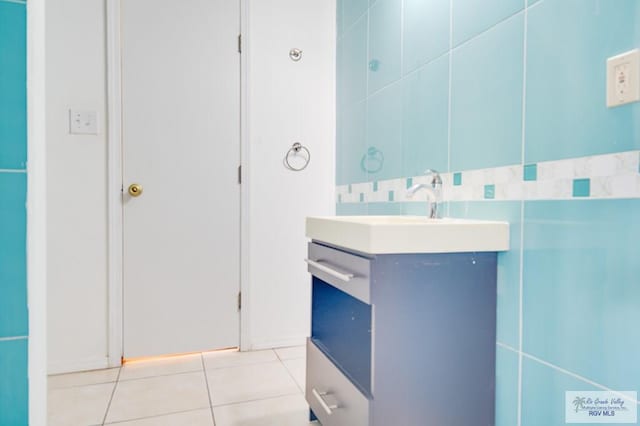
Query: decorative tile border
[595,177]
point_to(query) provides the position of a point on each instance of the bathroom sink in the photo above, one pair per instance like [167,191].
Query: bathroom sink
[409,234]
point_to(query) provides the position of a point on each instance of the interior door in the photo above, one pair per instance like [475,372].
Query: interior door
[181,146]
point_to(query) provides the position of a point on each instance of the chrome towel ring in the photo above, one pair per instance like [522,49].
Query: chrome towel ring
[372,161]
[297,150]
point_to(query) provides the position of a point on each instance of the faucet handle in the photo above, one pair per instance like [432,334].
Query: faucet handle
[436,179]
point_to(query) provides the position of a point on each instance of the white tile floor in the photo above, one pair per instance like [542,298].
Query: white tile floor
[227,388]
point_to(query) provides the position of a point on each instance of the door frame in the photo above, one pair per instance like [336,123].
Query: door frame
[115,182]
[37,211]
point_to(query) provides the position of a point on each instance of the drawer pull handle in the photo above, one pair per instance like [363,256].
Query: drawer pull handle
[346,277]
[327,406]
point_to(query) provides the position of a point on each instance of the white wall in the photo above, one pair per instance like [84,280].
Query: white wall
[77,179]
[288,101]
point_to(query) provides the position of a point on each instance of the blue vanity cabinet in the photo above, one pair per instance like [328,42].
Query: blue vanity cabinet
[401,339]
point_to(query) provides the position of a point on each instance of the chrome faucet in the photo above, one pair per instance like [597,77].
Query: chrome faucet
[434,192]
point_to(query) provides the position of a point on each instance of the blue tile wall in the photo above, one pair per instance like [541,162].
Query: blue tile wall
[506,387]
[14,327]
[508,263]
[568,44]
[425,32]
[424,118]
[384,130]
[543,394]
[13,86]
[472,17]
[486,118]
[581,275]
[13,383]
[384,43]
[13,277]
[498,83]
[352,59]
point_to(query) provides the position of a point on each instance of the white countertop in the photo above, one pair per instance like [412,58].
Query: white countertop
[409,234]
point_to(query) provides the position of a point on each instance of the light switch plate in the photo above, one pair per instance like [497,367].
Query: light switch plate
[623,78]
[83,122]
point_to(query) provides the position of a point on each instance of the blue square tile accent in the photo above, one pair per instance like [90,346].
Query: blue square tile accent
[566,114]
[390,195]
[14,387]
[384,43]
[530,172]
[457,179]
[425,116]
[489,192]
[471,17]
[486,98]
[580,274]
[508,303]
[409,183]
[581,187]
[375,186]
[13,255]
[13,85]
[425,31]
[361,197]
[384,133]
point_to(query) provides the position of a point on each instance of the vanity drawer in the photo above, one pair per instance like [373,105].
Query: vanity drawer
[332,397]
[345,271]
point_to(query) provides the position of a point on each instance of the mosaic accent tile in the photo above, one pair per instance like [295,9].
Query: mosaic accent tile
[409,182]
[581,187]
[489,192]
[611,176]
[530,172]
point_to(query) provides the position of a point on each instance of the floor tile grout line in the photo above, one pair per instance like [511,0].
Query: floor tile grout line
[81,386]
[257,399]
[242,365]
[160,375]
[292,376]
[113,392]
[206,381]
[155,416]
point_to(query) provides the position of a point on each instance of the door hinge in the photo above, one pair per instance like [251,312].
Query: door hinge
[239,43]
[240,174]
[239,300]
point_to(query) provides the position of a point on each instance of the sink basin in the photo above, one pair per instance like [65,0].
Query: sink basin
[409,234]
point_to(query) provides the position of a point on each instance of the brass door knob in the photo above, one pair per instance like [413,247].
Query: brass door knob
[135,189]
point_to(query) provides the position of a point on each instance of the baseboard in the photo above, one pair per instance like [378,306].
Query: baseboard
[278,343]
[74,366]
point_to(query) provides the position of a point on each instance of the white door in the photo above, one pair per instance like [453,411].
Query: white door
[181,144]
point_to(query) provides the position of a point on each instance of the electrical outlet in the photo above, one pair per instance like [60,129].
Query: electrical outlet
[623,78]
[83,122]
